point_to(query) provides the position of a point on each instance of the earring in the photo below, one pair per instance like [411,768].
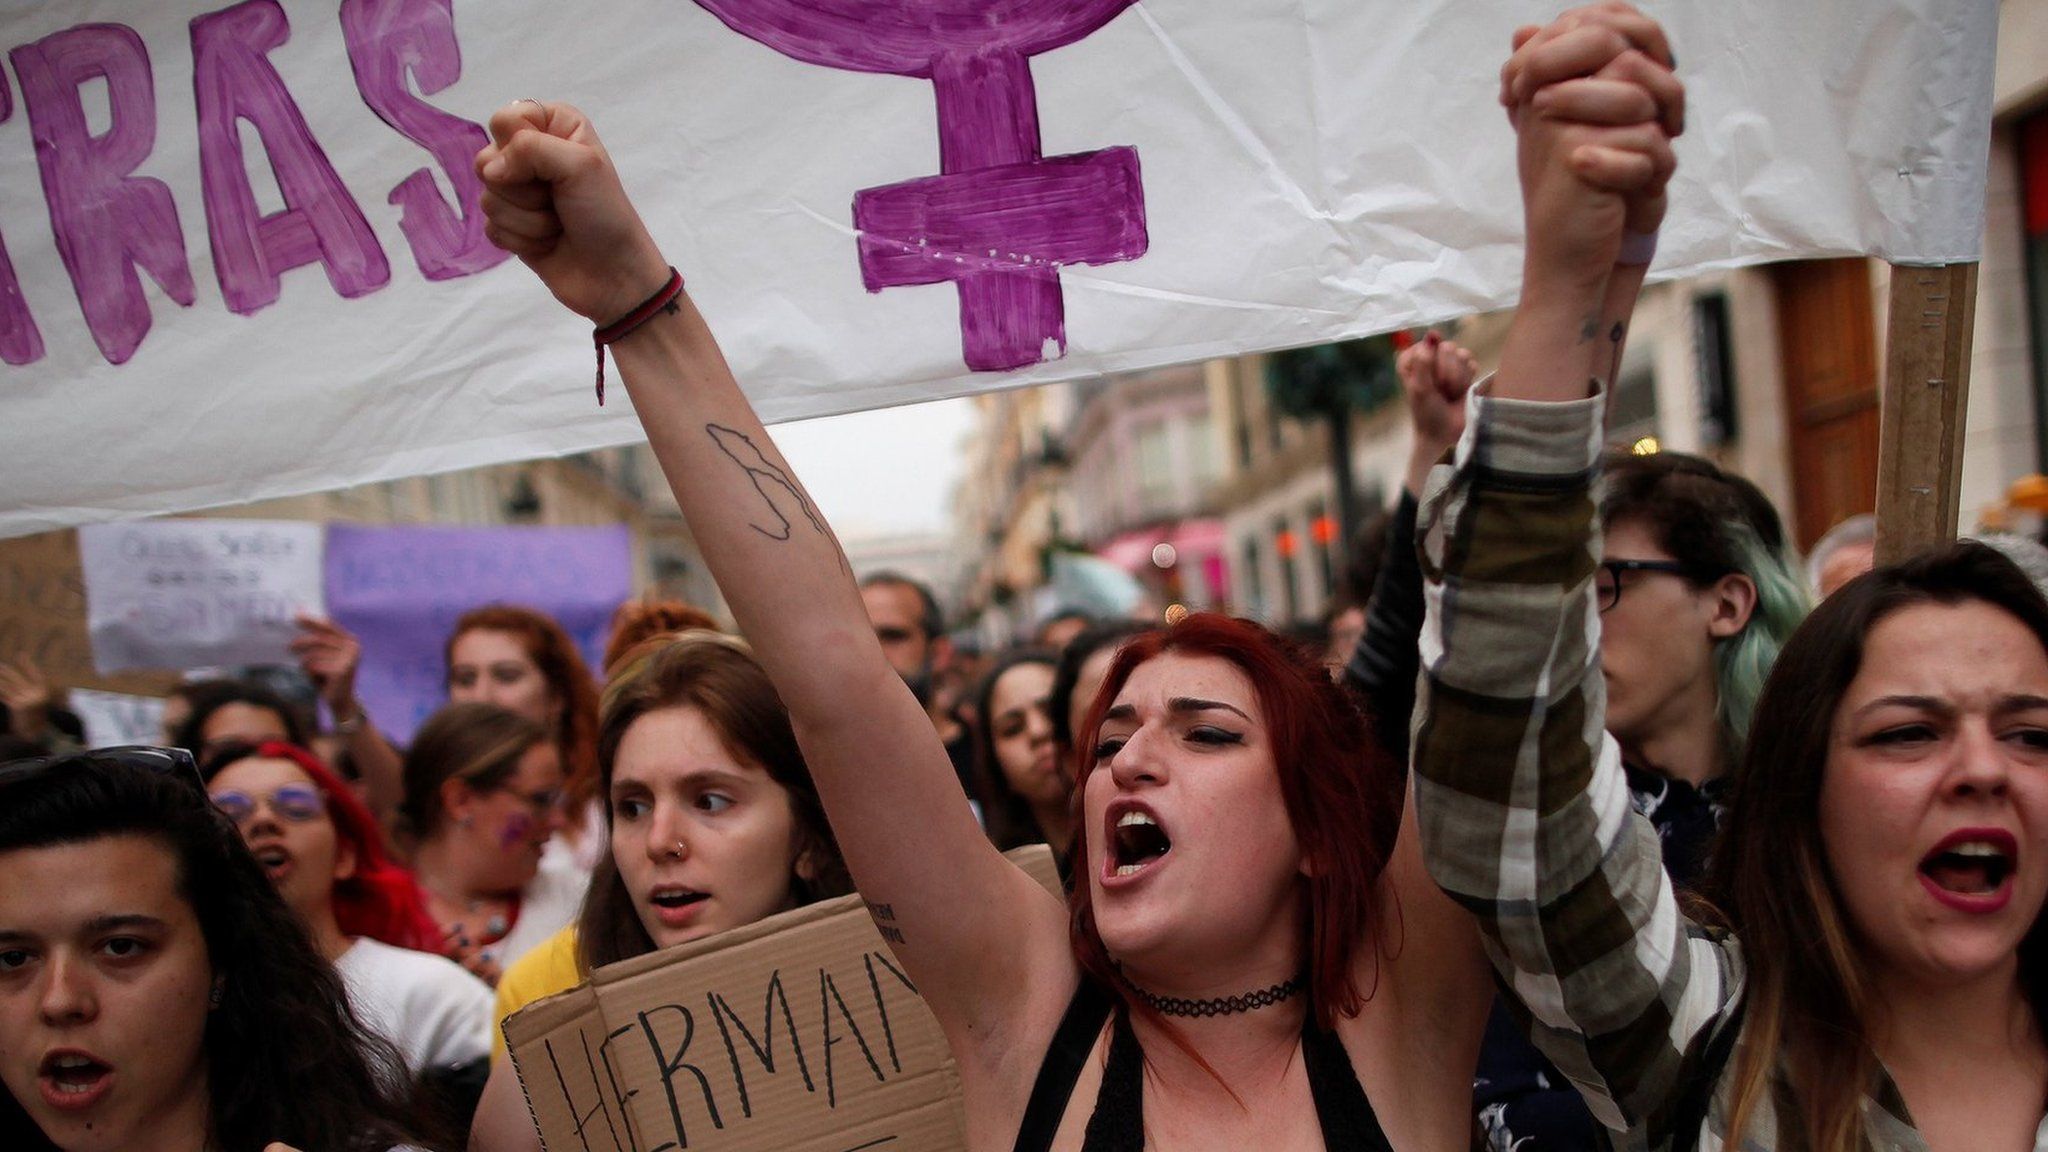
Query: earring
[219,992]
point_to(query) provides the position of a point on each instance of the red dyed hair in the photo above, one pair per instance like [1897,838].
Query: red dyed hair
[1343,794]
[638,620]
[551,650]
[382,900]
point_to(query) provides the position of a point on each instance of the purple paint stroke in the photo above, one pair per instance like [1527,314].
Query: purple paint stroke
[1000,220]
[107,222]
[389,40]
[232,81]
[21,342]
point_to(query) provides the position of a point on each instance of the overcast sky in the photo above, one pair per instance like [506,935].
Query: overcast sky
[881,473]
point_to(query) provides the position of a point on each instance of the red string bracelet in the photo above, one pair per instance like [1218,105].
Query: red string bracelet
[619,329]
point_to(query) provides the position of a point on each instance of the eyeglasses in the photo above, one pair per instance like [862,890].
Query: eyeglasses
[174,762]
[1607,581]
[298,803]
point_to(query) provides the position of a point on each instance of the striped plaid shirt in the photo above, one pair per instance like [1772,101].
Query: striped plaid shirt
[1525,808]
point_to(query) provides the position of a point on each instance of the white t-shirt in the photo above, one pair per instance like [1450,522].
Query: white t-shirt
[435,1012]
[547,906]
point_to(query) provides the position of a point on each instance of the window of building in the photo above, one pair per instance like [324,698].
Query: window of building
[1322,531]
[1250,584]
[1288,545]
[1155,467]
[2033,145]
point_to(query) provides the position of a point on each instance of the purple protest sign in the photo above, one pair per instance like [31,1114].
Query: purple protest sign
[1000,219]
[400,591]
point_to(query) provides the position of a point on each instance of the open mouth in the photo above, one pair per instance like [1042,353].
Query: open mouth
[275,860]
[1972,863]
[1135,841]
[672,903]
[73,1079]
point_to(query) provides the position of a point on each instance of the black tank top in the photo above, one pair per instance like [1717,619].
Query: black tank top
[1118,1122]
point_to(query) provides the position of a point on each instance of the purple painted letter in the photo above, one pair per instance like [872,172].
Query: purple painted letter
[386,40]
[1000,220]
[20,342]
[107,222]
[233,80]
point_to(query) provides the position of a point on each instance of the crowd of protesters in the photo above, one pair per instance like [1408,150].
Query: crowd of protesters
[1590,816]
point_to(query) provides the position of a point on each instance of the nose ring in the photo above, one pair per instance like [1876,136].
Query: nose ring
[677,851]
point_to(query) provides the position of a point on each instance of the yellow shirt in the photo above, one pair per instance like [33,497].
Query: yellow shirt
[549,967]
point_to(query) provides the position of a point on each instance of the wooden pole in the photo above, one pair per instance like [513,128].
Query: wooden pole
[1926,392]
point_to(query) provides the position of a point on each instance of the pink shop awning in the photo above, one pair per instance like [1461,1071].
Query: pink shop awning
[1192,540]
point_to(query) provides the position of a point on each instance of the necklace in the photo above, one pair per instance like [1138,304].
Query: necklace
[1223,1005]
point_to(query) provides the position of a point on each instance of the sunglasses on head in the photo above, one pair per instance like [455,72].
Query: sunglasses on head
[173,762]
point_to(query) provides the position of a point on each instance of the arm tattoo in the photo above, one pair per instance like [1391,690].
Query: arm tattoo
[765,475]
[884,916]
[1615,336]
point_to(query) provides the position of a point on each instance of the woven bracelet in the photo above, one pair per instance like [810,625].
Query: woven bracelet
[623,327]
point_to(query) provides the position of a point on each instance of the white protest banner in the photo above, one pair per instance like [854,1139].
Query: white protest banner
[192,593]
[115,718]
[243,258]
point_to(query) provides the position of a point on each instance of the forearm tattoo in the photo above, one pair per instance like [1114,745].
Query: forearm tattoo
[767,478]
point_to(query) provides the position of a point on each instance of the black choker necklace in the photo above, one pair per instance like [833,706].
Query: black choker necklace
[1221,1006]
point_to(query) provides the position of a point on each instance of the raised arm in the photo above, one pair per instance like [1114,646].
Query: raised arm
[1524,809]
[977,935]
[1435,375]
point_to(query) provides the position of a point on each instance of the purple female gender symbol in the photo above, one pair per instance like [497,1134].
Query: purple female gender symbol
[1001,219]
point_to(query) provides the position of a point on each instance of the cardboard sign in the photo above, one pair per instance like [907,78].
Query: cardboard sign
[799,1033]
[400,590]
[195,593]
[240,253]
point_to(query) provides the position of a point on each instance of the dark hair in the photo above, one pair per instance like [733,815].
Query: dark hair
[1716,523]
[714,674]
[1771,881]
[1364,555]
[1067,673]
[551,650]
[1038,634]
[481,743]
[637,621]
[14,747]
[1008,816]
[286,1058]
[381,900]
[210,696]
[930,618]
[1341,790]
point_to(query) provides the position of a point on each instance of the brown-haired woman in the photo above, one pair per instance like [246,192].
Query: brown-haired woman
[1026,795]
[483,793]
[1871,973]
[1250,958]
[523,661]
[713,823]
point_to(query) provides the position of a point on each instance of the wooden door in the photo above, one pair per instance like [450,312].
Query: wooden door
[1827,339]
